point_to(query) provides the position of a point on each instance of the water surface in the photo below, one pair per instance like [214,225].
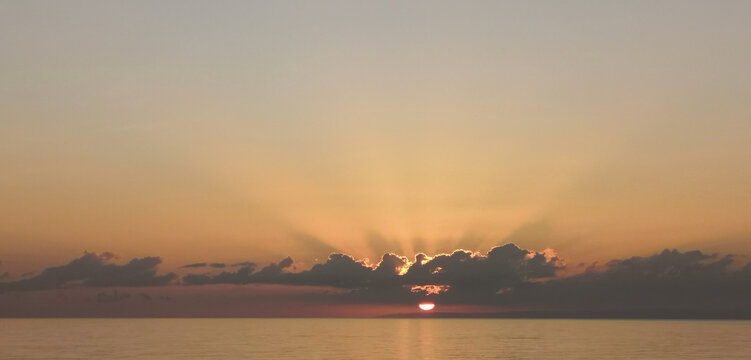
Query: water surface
[372,339]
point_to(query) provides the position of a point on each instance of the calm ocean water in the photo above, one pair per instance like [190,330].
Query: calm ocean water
[372,339]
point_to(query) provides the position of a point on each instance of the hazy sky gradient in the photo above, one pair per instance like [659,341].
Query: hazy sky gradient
[205,131]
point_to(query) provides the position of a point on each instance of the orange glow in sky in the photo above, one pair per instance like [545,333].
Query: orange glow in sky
[314,134]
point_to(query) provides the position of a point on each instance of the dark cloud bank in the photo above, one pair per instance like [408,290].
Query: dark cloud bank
[94,270]
[667,284]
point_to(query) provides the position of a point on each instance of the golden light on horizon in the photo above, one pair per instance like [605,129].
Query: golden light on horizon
[326,135]
[426,306]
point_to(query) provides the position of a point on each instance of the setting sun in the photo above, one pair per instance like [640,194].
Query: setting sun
[426,306]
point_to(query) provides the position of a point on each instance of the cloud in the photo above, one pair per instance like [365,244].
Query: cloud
[244,275]
[203,264]
[108,255]
[194,265]
[511,276]
[671,279]
[339,270]
[244,263]
[273,270]
[241,276]
[476,278]
[92,269]
[462,273]
[502,266]
[665,283]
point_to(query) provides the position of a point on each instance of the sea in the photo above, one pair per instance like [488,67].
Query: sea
[377,339]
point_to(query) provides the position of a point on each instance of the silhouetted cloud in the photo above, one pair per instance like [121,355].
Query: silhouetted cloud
[339,270]
[244,263]
[241,276]
[273,270]
[93,270]
[195,265]
[108,255]
[668,283]
[461,273]
[672,279]
[244,275]
[203,264]
[509,275]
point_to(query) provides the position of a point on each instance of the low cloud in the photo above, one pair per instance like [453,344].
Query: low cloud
[522,279]
[244,275]
[203,264]
[244,263]
[93,269]
[690,281]
[195,265]
[462,275]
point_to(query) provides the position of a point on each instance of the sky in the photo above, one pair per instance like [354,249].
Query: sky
[196,131]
